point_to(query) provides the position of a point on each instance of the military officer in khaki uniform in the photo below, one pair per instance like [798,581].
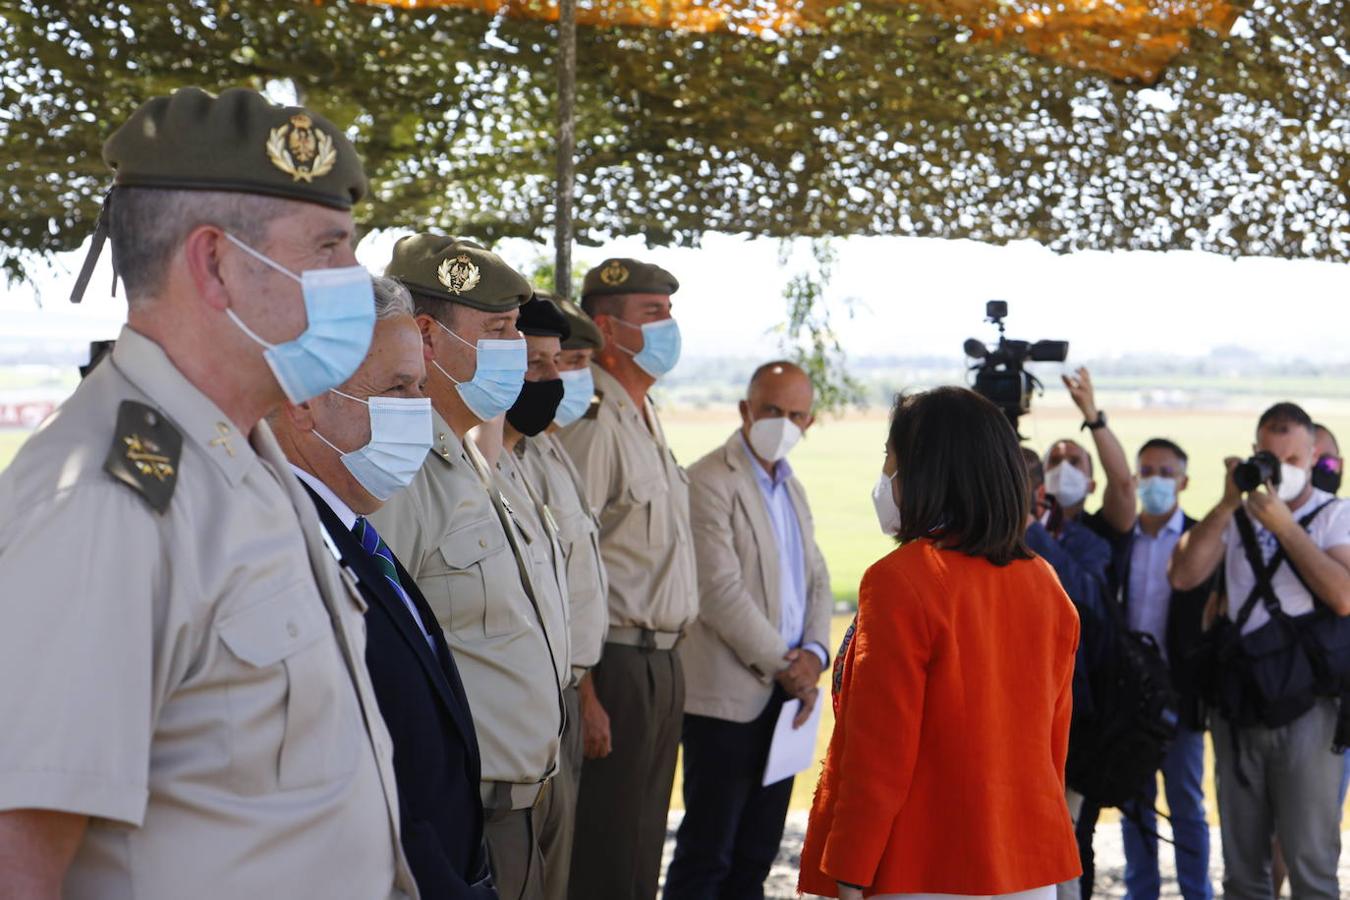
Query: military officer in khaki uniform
[184,703]
[550,468]
[641,496]
[472,551]
[527,471]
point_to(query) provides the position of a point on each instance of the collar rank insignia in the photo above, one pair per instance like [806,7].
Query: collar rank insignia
[301,150]
[144,453]
[459,275]
[593,411]
[614,273]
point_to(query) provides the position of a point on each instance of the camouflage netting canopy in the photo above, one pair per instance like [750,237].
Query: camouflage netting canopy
[861,117]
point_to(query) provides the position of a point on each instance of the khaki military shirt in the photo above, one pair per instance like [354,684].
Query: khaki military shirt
[183,677]
[557,484]
[641,496]
[541,543]
[444,529]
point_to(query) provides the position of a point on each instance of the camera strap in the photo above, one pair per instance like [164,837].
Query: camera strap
[1264,572]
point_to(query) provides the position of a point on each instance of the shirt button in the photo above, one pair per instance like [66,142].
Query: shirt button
[482,543]
[292,629]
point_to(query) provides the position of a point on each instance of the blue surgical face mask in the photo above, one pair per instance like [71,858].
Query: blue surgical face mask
[497,378]
[1157,494]
[400,436]
[340,317]
[578,389]
[660,346]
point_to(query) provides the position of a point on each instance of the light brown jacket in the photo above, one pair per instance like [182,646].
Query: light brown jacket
[732,652]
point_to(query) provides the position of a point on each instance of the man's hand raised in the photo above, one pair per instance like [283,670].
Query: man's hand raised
[1080,389]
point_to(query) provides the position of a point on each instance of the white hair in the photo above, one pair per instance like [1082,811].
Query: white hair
[391,298]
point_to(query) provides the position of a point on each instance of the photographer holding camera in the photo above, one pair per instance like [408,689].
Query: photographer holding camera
[1275,658]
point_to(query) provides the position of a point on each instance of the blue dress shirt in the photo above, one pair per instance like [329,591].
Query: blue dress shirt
[791,552]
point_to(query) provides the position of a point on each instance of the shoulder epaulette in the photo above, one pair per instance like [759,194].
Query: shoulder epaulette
[144,453]
[593,411]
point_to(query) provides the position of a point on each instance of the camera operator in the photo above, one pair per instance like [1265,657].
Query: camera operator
[1274,769]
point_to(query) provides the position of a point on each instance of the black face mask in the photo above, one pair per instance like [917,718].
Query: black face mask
[535,407]
[1326,474]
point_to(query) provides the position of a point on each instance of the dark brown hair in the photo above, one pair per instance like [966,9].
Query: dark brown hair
[962,478]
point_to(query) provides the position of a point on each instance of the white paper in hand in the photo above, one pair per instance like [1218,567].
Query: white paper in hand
[793,749]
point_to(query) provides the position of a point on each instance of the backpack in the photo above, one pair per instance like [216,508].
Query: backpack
[1117,748]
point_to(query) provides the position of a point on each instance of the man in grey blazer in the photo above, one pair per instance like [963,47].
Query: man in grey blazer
[759,641]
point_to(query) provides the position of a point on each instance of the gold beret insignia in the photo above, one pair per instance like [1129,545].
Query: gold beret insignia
[301,150]
[459,274]
[614,273]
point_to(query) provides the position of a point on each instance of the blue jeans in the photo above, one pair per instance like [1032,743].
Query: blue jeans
[1183,772]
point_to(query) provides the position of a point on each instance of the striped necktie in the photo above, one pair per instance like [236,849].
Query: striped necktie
[383,557]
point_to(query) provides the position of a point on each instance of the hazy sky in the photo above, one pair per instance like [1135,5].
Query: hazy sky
[911,296]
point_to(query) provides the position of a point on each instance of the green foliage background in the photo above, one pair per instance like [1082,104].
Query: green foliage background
[884,120]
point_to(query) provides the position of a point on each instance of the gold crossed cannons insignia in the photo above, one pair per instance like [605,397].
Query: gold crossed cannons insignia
[144,453]
[145,456]
[301,150]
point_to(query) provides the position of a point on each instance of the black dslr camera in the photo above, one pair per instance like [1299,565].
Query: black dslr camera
[1252,473]
[999,373]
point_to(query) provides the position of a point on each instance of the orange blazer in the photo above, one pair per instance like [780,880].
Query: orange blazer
[945,772]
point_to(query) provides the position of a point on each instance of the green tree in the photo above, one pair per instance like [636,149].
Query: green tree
[881,120]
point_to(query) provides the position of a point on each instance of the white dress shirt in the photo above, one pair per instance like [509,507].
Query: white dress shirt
[348,520]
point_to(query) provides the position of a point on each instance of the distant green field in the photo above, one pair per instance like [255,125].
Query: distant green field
[840,459]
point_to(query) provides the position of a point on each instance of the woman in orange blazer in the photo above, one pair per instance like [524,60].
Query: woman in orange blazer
[945,773]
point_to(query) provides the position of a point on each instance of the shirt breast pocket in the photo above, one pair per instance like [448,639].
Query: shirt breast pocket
[290,702]
[645,498]
[476,556]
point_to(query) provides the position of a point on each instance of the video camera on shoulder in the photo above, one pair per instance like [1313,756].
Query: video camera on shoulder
[1000,375]
[1262,467]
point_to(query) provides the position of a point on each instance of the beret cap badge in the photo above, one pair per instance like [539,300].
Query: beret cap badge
[301,150]
[614,273]
[459,274]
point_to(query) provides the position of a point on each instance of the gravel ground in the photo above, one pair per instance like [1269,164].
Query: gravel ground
[782,883]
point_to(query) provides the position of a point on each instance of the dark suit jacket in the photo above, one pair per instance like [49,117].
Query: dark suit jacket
[436,762]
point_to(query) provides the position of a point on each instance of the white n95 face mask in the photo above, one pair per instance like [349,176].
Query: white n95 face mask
[400,436]
[773,439]
[1067,484]
[883,499]
[1292,482]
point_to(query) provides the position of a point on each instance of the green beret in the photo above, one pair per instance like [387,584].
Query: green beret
[585,334]
[540,318]
[239,141]
[436,267]
[628,276]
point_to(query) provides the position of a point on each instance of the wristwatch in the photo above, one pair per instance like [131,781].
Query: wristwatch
[1099,422]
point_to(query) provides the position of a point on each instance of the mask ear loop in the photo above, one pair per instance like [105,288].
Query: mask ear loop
[472,347]
[630,325]
[276,265]
[348,396]
[328,442]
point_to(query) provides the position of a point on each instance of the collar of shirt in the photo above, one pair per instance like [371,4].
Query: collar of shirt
[782,471]
[340,509]
[1174,525]
[145,364]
